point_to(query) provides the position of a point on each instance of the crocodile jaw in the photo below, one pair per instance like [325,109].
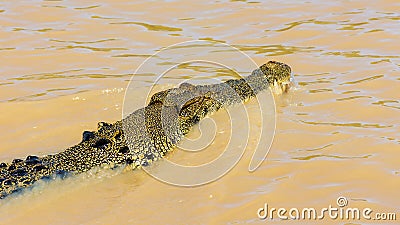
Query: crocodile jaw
[282,87]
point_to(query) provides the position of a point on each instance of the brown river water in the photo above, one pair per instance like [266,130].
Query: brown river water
[65,65]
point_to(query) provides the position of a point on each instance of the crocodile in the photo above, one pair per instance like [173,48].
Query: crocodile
[145,135]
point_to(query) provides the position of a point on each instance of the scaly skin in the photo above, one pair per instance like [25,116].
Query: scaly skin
[145,135]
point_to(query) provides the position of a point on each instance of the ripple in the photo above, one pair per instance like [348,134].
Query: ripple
[46,30]
[204,68]
[380,61]
[353,12]
[305,83]
[54,6]
[188,18]
[88,7]
[387,102]
[92,48]
[85,42]
[133,55]
[357,125]
[6,83]
[18,29]
[353,26]
[357,54]
[26,98]
[41,30]
[374,30]
[310,21]
[46,94]
[104,18]
[189,46]
[151,27]
[65,75]
[320,90]
[211,39]
[352,97]
[362,80]
[60,89]
[331,156]
[316,149]
[275,50]
[101,75]
[44,76]
[314,74]
[350,92]
[386,18]
[201,71]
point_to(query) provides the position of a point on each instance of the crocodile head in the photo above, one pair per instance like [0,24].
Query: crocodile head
[278,75]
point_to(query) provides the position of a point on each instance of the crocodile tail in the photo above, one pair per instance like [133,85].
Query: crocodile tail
[20,174]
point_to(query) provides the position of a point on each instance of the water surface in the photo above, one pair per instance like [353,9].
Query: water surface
[65,66]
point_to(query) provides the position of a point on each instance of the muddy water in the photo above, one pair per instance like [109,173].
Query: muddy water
[65,65]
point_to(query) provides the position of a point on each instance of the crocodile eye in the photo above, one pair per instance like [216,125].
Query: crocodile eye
[186,86]
[159,97]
